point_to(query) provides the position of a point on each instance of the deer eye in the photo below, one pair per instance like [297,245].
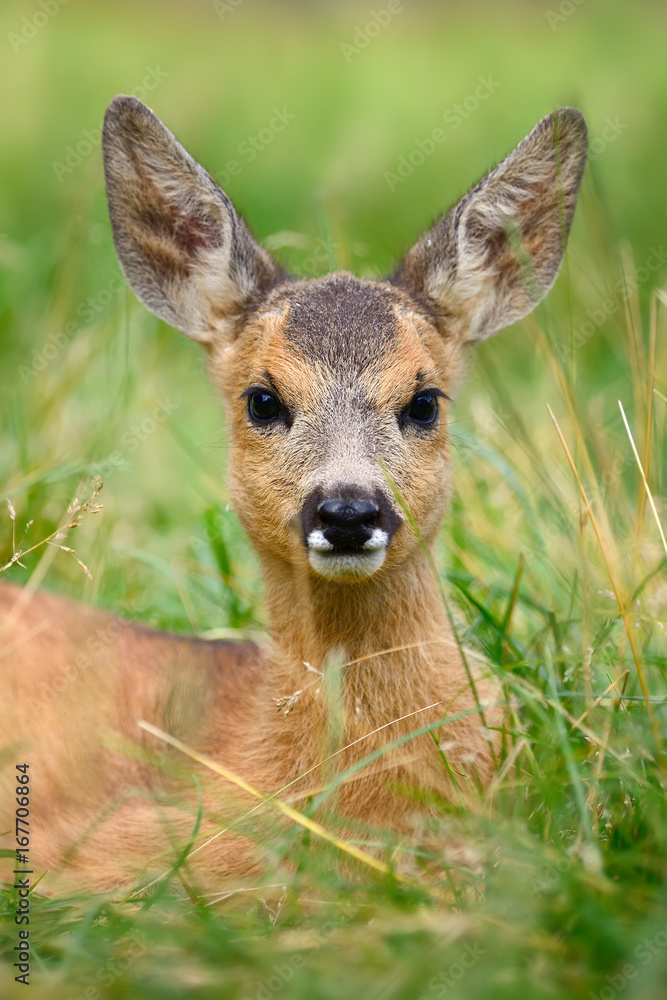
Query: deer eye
[263,406]
[423,408]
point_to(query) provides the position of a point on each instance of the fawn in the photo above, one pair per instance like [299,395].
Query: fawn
[336,393]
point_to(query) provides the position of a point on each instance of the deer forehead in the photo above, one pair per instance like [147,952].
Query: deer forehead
[339,339]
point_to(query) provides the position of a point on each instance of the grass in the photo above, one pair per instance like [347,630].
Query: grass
[552,554]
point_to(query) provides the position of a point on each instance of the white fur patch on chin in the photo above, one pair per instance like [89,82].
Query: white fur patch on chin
[318,543]
[346,565]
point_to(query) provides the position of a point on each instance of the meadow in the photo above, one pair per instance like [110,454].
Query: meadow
[553,554]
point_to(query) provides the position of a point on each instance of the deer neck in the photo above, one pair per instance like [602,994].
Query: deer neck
[389,633]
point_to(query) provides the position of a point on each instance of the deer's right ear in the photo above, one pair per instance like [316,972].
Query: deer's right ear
[182,247]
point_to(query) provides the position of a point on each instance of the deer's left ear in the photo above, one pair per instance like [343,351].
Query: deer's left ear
[497,253]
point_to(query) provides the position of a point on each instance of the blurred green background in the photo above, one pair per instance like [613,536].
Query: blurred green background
[566,873]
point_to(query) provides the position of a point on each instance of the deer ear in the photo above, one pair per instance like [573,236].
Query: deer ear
[496,254]
[182,247]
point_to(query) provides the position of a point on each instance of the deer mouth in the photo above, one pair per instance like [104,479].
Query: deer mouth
[353,557]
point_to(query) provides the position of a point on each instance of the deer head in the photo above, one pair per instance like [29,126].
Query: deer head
[337,389]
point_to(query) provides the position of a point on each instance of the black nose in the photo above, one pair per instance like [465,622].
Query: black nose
[347,518]
[348,513]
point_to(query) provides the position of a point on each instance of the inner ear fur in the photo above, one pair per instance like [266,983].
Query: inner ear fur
[183,248]
[496,254]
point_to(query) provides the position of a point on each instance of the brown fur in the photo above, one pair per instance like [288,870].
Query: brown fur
[345,358]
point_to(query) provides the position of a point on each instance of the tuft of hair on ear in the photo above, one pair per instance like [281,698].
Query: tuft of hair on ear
[183,248]
[496,254]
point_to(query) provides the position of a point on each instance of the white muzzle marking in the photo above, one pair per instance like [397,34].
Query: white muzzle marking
[341,565]
[378,540]
[318,543]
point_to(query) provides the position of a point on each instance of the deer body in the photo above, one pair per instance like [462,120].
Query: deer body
[336,393]
[221,698]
